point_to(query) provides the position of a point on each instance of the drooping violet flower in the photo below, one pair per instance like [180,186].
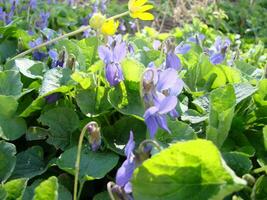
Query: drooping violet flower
[52,98]
[172,60]
[112,54]
[94,136]
[54,57]
[2,15]
[42,22]
[37,54]
[125,172]
[218,50]
[156,116]
[197,38]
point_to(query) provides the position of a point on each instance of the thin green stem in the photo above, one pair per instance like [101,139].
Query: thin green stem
[261,169]
[77,163]
[81,29]
[80,188]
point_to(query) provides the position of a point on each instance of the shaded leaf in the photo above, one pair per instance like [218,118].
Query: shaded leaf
[7,160]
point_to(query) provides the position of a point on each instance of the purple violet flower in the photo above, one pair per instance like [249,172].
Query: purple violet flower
[54,57]
[125,172]
[156,116]
[198,38]
[172,60]
[37,55]
[33,4]
[160,89]
[112,55]
[218,50]
[42,22]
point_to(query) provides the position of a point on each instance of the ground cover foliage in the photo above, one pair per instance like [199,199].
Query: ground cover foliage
[120,110]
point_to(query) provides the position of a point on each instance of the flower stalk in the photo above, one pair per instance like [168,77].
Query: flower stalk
[78,160]
[80,30]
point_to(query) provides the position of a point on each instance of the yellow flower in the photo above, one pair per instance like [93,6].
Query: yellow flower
[110,27]
[138,9]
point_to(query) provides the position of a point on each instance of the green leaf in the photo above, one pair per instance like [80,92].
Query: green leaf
[126,100]
[54,79]
[260,95]
[10,84]
[62,123]
[84,79]
[118,134]
[94,165]
[132,70]
[89,47]
[265,136]
[8,106]
[36,133]
[222,106]
[11,126]
[93,102]
[48,189]
[243,91]
[179,131]
[239,162]
[15,188]
[63,193]
[3,193]
[102,196]
[186,170]
[259,191]
[7,49]
[7,160]
[30,163]
[30,68]
[40,102]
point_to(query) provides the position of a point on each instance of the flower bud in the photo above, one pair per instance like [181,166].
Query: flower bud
[97,21]
[94,136]
[71,62]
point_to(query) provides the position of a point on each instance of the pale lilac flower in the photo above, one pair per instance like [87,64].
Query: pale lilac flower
[112,55]
[198,38]
[42,22]
[218,50]
[156,44]
[160,89]
[156,116]
[33,4]
[172,60]
[54,57]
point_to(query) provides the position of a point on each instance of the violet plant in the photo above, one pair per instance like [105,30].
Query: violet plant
[112,54]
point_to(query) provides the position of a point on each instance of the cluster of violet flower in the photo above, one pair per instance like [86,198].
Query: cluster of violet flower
[160,88]
[6,16]
[217,52]
[112,54]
